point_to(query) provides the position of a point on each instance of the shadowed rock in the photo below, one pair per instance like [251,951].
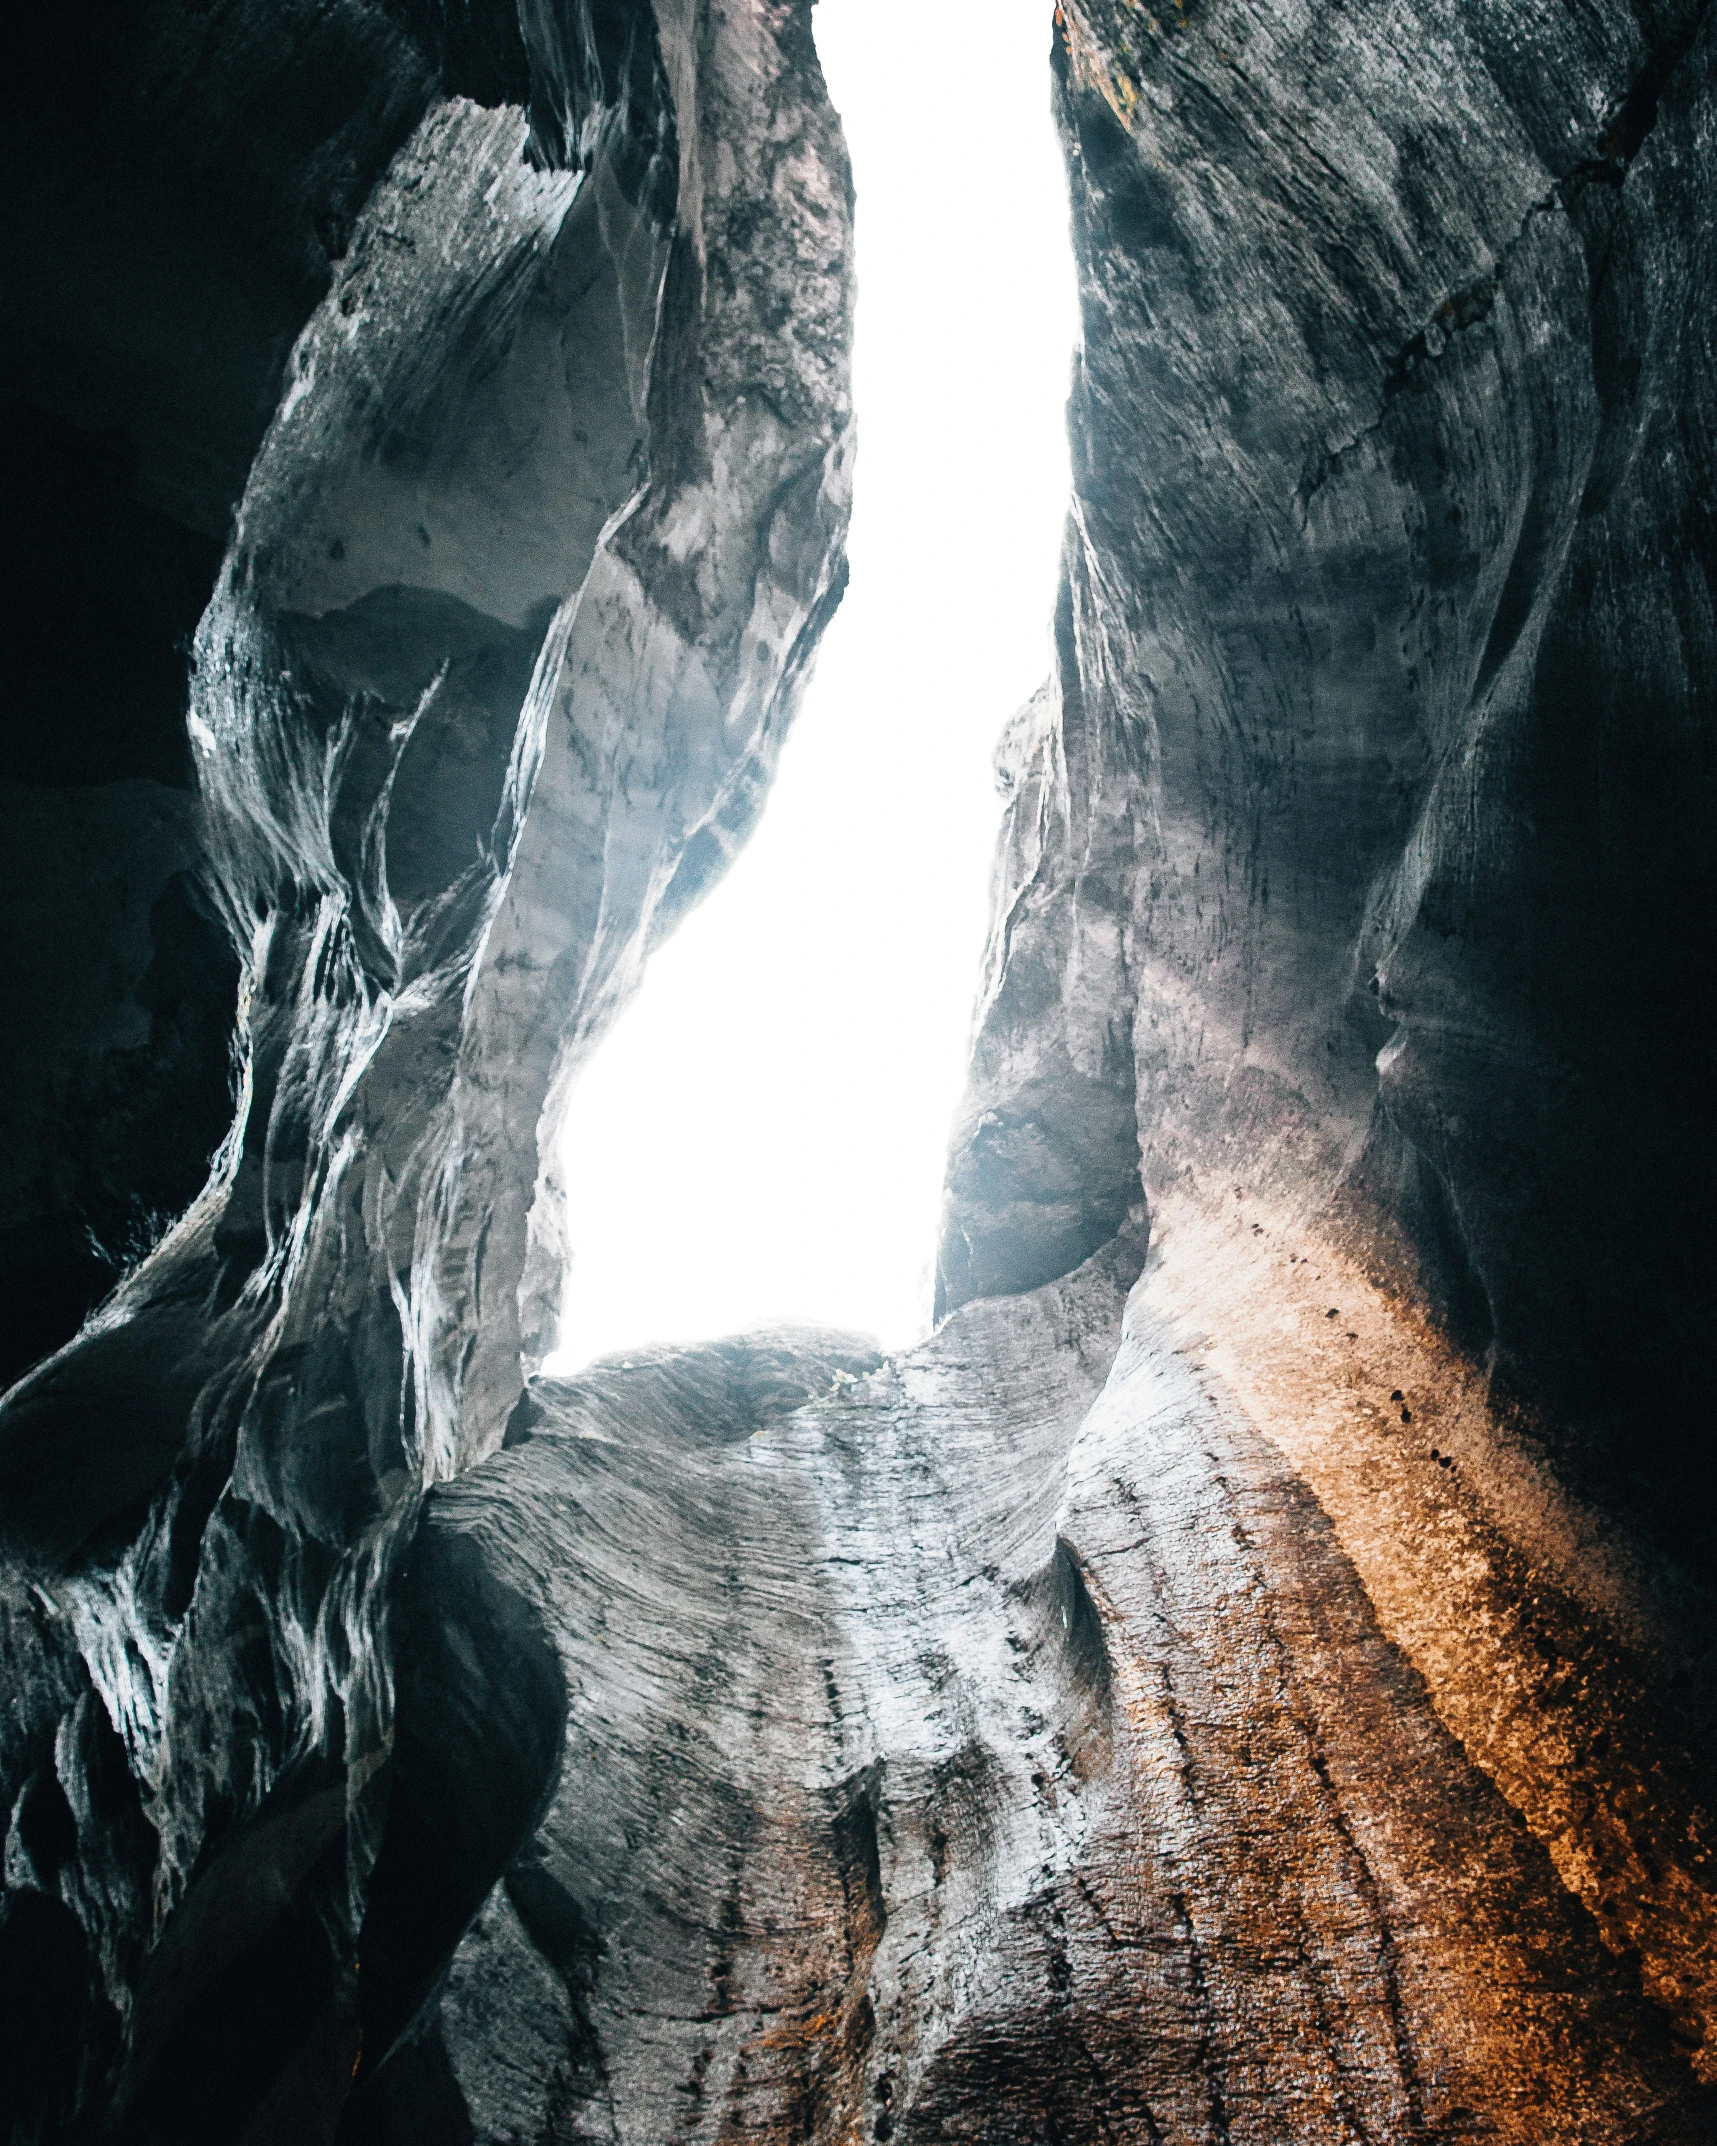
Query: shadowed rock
[524,571]
[1260,1692]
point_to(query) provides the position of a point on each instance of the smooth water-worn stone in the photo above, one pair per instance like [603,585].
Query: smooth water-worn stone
[1363,838]
[1358,851]
[179,183]
[944,1756]
[1258,1691]
[529,560]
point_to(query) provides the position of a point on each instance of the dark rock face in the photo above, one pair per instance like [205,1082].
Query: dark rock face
[118,1048]
[533,418]
[1260,1691]
[1359,848]
[178,183]
[1381,766]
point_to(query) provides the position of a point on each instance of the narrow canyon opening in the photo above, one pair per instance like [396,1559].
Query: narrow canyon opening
[1238,1663]
[764,1134]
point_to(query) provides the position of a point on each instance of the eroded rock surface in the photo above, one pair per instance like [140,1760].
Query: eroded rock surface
[1356,849]
[1257,1691]
[526,565]
[992,1743]
[1378,753]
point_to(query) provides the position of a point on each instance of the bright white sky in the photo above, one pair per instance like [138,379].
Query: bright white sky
[762,1137]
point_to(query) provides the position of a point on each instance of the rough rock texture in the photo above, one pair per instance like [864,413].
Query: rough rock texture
[1255,1692]
[993,1743]
[117,1048]
[1380,755]
[529,559]
[1359,853]
[179,183]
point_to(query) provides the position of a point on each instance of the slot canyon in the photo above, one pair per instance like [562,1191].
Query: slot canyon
[1249,1677]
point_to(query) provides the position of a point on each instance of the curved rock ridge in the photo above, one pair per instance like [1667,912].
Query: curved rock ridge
[987,1743]
[179,181]
[528,567]
[1377,755]
[1260,1690]
[1358,853]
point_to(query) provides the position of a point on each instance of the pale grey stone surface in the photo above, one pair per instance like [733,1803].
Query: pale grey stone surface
[527,569]
[1279,1715]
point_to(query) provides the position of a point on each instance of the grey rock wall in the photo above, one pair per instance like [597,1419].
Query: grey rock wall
[179,182]
[1358,852]
[1247,1676]
[526,567]
[1379,752]
[117,1048]
[989,1743]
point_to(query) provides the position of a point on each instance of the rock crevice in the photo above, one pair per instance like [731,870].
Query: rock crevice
[1247,1674]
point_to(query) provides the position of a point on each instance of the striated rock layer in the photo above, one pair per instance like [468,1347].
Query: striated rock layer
[527,566]
[1358,855]
[1244,1678]
[993,1743]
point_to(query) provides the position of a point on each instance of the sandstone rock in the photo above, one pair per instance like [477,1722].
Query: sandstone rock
[943,1756]
[1374,787]
[1358,842]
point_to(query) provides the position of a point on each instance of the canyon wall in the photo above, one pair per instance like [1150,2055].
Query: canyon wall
[1364,834]
[1246,1676]
[1358,853]
[517,354]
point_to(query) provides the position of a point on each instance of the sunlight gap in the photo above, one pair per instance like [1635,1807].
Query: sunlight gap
[763,1135]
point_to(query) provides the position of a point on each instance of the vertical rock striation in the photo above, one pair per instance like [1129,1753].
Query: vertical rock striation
[1377,742]
[989,1743]
[1359,849]
[526,570]
[1259,1690]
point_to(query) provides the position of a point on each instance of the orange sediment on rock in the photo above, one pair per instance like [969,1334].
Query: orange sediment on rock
[1540,1635]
